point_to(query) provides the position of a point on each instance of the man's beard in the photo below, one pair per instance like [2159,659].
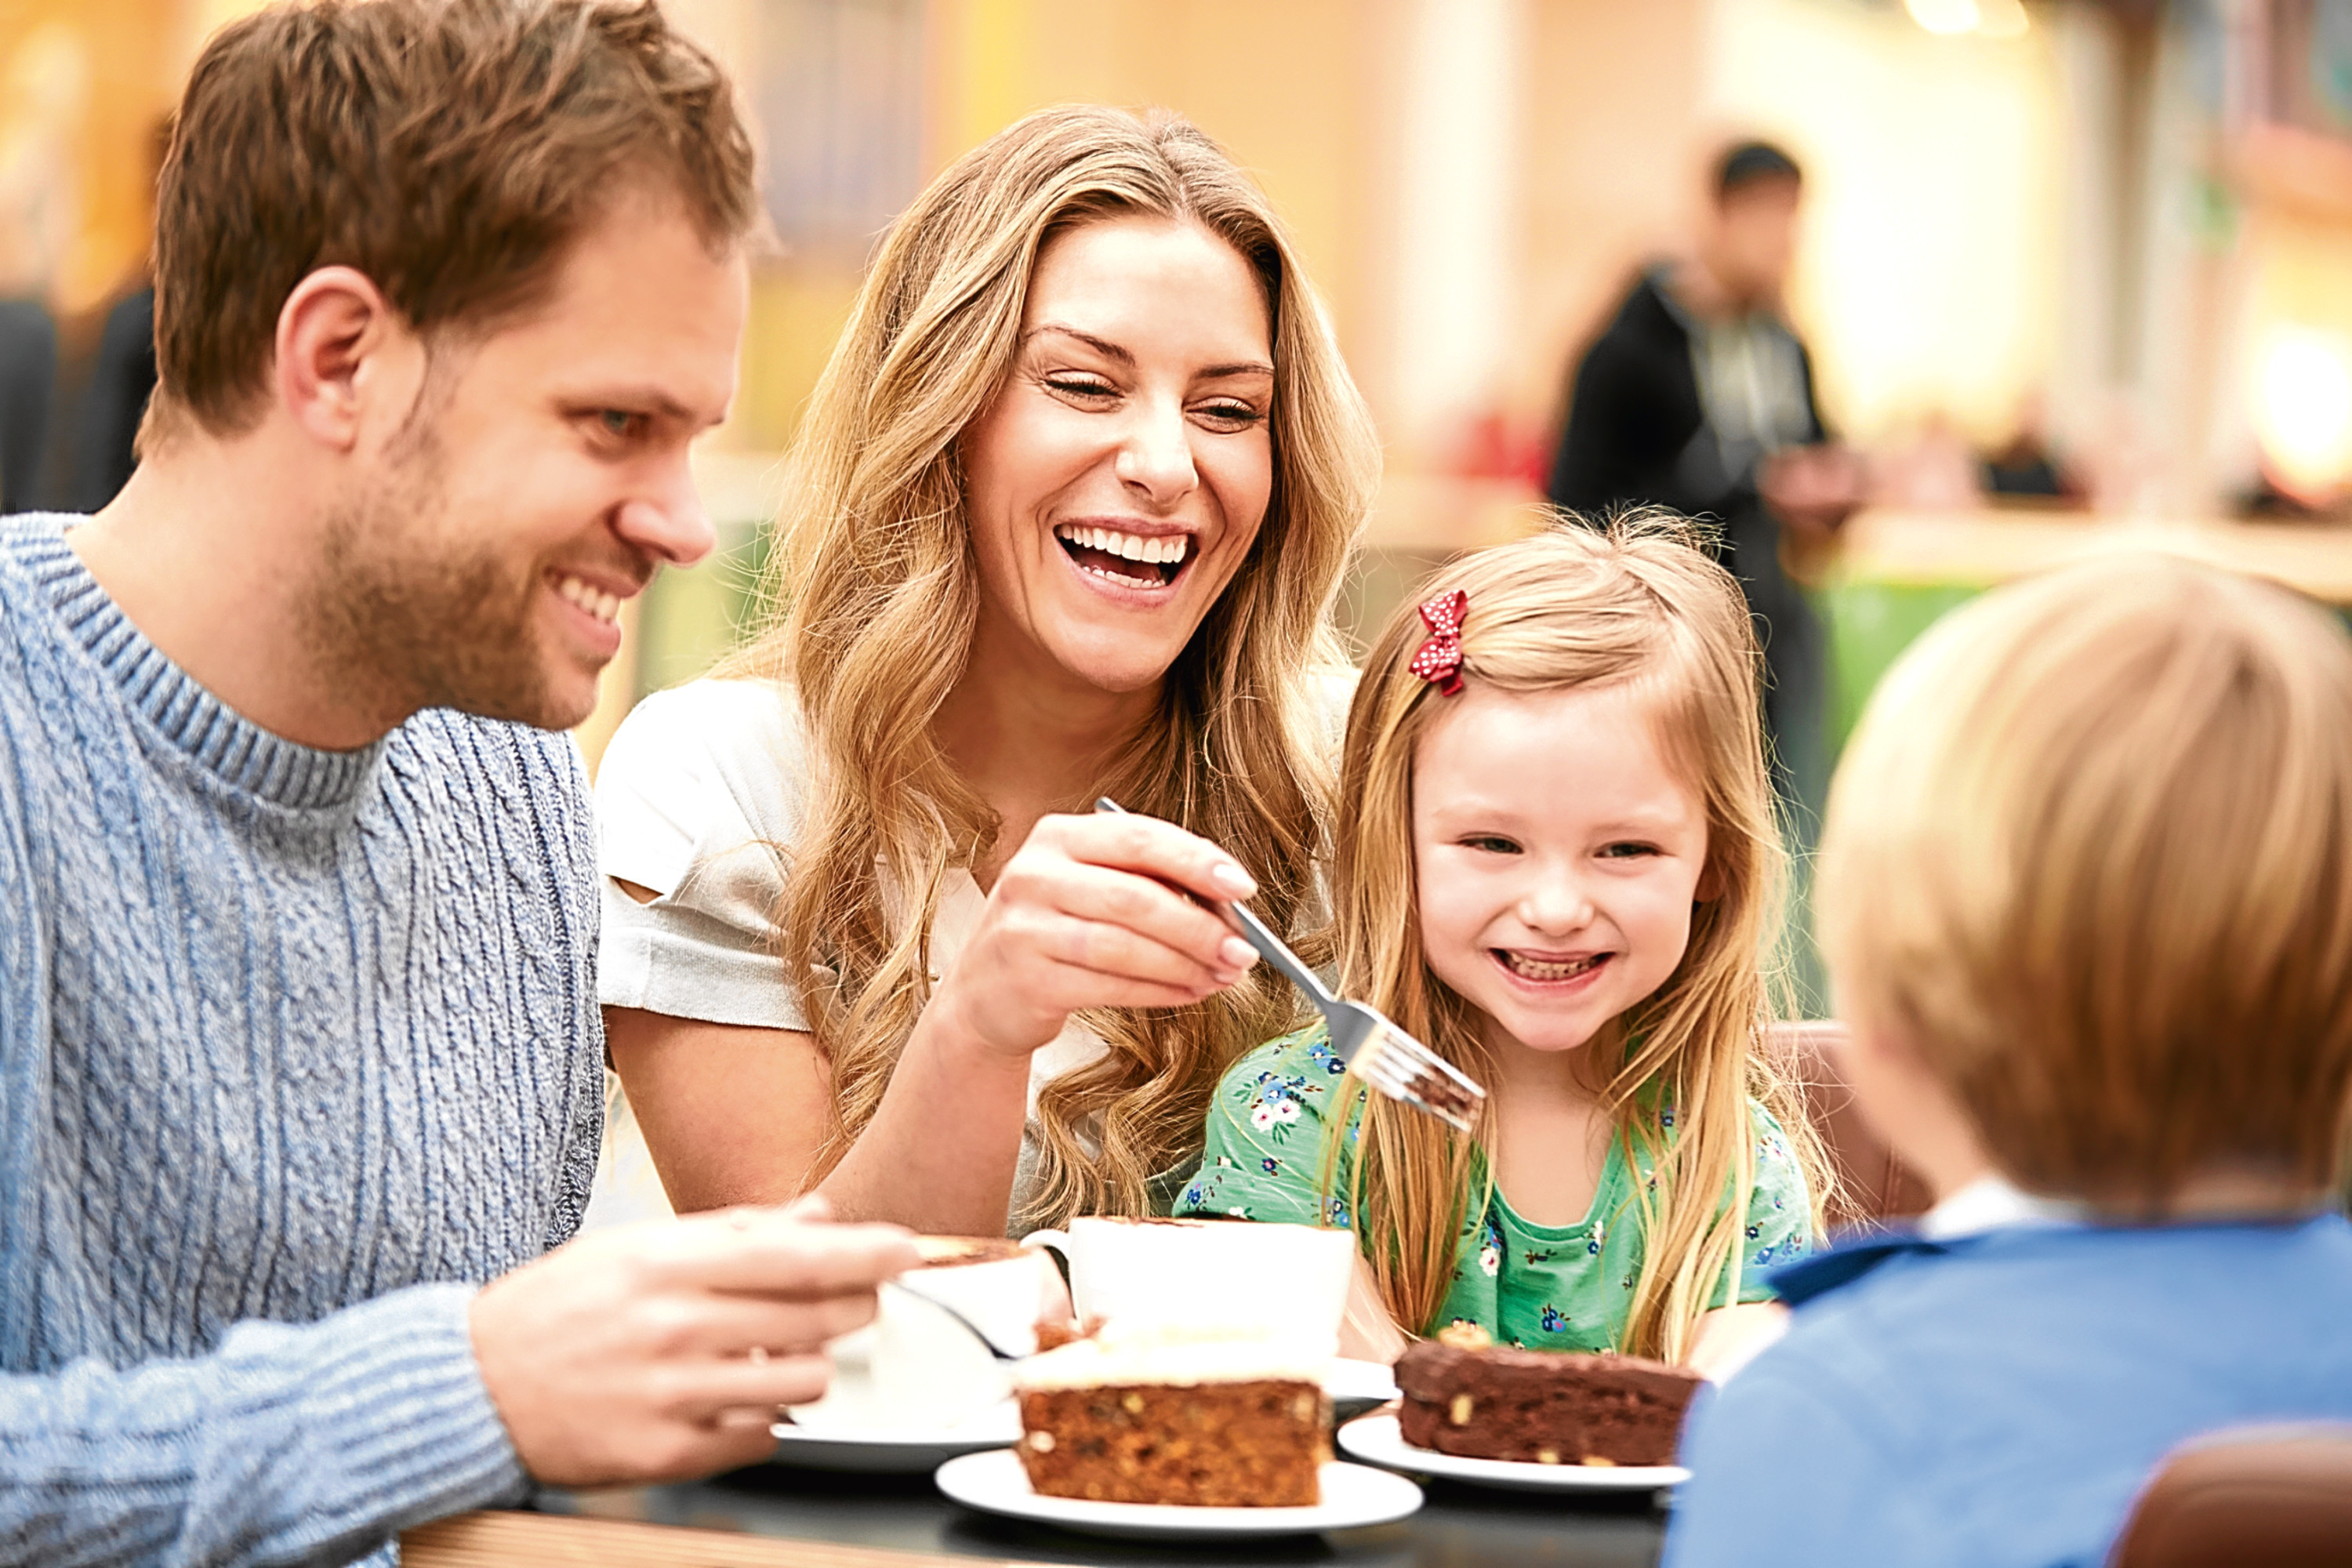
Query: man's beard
[403,621]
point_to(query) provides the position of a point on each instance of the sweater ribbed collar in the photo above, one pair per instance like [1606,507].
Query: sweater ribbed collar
[215,736]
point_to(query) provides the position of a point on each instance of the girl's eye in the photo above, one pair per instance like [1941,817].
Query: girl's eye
[1491,843]
[1628,851]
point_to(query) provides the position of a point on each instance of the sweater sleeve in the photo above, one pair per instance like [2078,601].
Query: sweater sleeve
[288,1444]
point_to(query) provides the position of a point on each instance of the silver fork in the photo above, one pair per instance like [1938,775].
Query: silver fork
[1364,1038]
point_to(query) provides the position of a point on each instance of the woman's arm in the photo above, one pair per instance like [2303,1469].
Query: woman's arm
[1728,1338]
[730,1114]
[1367,1332]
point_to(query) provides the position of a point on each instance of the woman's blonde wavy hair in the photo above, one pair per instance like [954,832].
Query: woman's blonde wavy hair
[1636,602]
[878,595]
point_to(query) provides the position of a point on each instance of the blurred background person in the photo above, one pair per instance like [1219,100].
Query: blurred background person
[121,375]
[41,92]
[1698,395]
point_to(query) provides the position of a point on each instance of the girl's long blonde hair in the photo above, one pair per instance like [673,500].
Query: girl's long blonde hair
[1636,602]
[879,597]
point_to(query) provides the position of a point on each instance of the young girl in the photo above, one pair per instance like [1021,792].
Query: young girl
[1556,868]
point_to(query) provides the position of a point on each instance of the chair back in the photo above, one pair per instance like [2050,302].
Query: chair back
[1874,1186]
[2259,1497]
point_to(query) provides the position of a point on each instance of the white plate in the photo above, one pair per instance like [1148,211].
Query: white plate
[1378,1440]
[910,1452]
[1358,1382]
[1353,1496]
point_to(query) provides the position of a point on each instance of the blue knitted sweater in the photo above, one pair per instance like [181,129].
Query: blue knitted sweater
[295,1048]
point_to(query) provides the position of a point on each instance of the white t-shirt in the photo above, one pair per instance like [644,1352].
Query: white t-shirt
[699,791]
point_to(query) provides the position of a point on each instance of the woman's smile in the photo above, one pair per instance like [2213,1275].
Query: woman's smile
[1128,554]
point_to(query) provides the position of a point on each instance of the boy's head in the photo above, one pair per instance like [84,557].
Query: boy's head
[463,278]
[2088,866]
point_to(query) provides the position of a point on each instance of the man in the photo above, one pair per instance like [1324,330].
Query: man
[299,1038]
[1697,396]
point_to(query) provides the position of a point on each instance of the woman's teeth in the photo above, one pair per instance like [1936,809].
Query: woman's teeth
[602,605]
[1535,969]
[1152,551]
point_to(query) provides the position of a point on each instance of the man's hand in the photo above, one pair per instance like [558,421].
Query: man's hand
[662,1352]
[1813,489]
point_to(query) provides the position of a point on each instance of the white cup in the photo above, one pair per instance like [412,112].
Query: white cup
[1002,1290]
[911,1369]
[1289,1280]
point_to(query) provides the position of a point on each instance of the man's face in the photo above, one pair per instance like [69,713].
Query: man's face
[1754,241]
[482,558]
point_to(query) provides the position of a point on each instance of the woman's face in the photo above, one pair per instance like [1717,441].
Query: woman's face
[1118,480]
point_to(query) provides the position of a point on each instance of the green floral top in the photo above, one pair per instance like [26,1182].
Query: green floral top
[1560,1287]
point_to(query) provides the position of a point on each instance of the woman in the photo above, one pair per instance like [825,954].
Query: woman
[1068,512]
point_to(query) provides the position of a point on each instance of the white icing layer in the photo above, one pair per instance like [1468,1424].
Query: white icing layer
[1174,1353]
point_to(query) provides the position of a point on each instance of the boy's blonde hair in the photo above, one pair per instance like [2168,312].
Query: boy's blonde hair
[1635,602]
[2090,856]
[878,594]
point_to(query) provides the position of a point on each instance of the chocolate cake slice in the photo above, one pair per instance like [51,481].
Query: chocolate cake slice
[1547,1408]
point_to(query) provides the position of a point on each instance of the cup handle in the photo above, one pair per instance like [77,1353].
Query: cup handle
[1056,1240]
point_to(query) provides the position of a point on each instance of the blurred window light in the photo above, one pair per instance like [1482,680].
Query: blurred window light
[2302,410]
[1986,18]
[2001,19]
[1945,17]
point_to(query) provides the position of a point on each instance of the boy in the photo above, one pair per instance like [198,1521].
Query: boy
[2086,890]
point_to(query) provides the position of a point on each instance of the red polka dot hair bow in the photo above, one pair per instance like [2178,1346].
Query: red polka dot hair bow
[1439,660]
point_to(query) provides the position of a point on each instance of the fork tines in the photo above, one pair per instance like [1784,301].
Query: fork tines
[1404,1069]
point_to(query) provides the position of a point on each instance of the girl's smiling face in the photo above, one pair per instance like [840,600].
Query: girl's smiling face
[1558,853]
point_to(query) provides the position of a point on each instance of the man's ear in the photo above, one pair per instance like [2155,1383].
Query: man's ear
[341,350]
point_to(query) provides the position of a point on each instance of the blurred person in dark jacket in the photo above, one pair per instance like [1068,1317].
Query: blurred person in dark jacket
[1697,396]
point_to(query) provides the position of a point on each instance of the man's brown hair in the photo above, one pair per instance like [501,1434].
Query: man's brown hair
[2090,856]
[449,150]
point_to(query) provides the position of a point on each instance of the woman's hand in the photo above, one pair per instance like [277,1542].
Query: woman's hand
[1088,913]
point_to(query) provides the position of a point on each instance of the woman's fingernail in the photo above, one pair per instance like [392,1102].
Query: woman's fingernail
[1238,955]
[1232,880]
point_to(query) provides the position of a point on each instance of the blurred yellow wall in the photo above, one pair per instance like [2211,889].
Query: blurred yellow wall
[130,69]
[1929,277]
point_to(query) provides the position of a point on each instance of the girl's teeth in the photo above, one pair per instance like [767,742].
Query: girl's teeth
[1535,969]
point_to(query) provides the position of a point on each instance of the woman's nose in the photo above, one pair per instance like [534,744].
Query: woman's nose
[1156,458]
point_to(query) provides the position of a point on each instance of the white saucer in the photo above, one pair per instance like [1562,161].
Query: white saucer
[1353,1496]
[1376,1440]
[1358,1382]
[891,1451]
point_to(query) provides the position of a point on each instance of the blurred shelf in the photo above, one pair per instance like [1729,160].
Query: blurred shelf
[2288,167]
[1978,549]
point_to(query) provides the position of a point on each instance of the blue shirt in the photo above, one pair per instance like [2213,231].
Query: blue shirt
[1999,1399]
[296,1047]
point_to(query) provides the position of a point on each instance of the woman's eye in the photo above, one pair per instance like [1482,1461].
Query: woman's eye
[620,423]
[1232,417]
[1081,387]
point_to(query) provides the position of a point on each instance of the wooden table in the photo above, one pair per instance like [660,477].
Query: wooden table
[770,1517]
